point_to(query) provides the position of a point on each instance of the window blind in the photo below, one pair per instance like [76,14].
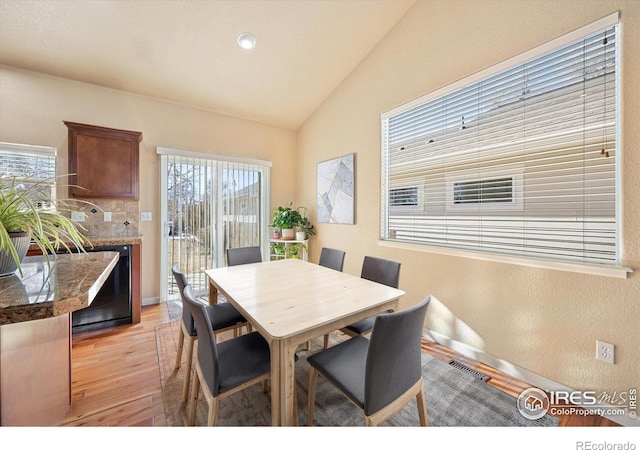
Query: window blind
[242,203]
[211,203]
[522,161]
[190,217]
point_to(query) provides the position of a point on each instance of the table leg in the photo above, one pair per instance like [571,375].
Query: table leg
[284,410]
[213,294]
[288,406]
[275,383]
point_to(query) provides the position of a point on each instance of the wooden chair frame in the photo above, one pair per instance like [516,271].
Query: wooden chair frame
[417,391]
[213,401]
[184,333]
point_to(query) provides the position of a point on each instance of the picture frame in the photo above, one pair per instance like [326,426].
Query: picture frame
[336,190]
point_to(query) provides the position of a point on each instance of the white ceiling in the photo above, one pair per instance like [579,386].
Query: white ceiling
[185,51]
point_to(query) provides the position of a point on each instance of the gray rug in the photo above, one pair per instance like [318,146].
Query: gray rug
[454,398]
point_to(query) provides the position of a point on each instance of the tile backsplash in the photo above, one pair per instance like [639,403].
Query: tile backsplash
[125,216]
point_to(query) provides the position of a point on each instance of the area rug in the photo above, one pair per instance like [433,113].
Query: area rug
[454,398]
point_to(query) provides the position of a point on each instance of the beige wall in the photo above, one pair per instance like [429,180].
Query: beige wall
[33,106]
[545,321]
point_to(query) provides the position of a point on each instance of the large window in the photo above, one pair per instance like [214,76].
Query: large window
[519,159]
[29,165]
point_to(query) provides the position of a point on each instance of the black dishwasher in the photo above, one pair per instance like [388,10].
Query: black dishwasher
[112,304]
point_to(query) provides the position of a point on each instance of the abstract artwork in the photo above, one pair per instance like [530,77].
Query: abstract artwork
[336,190]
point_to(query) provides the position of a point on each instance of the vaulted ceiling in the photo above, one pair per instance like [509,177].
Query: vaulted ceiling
[185,51]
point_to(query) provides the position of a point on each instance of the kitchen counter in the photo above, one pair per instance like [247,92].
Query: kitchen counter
[67,284]
[99,241]
[35,333]
[135,241]
[115,240]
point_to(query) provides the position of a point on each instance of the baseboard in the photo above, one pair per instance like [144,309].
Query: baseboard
[520,373]
[150,301]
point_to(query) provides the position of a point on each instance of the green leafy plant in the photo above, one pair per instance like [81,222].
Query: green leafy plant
[285,217]
[295,250]
[307,227]
[278,249]
[23,210]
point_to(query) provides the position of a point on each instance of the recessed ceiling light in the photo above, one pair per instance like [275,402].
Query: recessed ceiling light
[246,41]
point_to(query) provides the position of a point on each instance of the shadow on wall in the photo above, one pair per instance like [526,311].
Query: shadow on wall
[456,334]
[448,324]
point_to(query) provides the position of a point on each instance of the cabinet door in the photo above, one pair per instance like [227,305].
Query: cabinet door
[104,162]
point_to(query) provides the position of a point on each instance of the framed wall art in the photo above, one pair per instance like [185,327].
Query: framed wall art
[336,190]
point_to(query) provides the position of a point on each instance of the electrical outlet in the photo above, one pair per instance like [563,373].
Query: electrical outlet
[605,352]
[107,216]
[77,216]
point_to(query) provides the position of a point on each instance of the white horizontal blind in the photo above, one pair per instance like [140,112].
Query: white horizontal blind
[29,165]
[519,162]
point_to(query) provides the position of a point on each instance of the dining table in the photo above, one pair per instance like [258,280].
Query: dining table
[290,302]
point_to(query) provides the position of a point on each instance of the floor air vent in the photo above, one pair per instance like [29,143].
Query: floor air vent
[469,370]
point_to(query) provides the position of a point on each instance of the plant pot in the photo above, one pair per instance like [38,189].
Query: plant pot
[301,235]
[21,242]
[288,234]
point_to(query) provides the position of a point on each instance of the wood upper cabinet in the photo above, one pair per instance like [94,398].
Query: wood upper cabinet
[104,162]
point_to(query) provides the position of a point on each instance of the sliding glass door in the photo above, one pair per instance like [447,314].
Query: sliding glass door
[209,204]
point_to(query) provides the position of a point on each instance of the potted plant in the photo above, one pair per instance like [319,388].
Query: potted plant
[295,250]
[27,214]
[278,249]
[305,229]
[286,219]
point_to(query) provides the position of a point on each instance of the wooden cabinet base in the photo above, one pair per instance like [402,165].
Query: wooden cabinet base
[35,372]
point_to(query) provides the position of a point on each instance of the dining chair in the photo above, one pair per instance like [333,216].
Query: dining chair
[380,270]
[243,255]
[223,317]
[379,375]
[333,259]
[223,368]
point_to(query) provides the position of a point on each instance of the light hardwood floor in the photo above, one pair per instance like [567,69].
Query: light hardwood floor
[116,376]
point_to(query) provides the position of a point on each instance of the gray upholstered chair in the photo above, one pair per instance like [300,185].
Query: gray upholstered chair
[383,271]
[379,375]
[243,255]
[226,367]
[332,258]
[223,317]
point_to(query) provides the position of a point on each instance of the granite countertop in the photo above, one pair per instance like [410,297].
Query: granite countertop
[100,241]
[114,240]
[70,282]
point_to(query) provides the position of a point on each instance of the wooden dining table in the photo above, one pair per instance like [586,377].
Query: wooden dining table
[290,302]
